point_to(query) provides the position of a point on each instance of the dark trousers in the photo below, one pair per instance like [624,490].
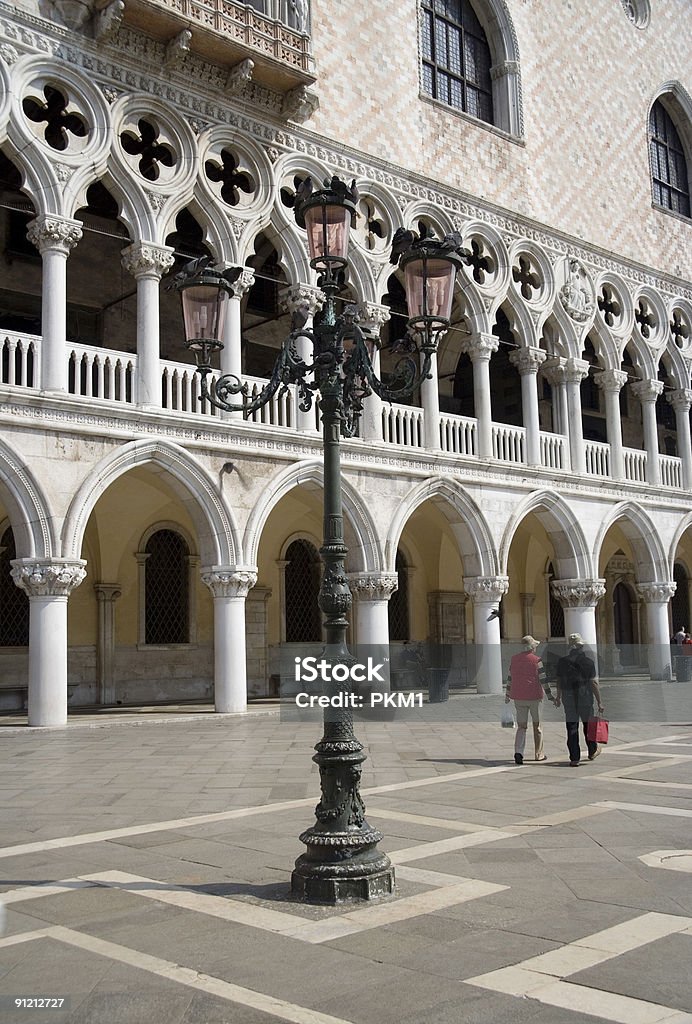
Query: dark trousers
[573,740]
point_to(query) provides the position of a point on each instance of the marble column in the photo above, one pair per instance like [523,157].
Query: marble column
[579,599]
[528,361]
[575,372]
[229,586]
[656,597]
[486,592]
[647,391]
[681,401]
[611,383]
[232,352]
[373,591]
[48,583]
[527,603]
[554,372]
[106,595]
[430,402]
[54,237]
[147,263]
[311,299]
[371,317]
[479,347]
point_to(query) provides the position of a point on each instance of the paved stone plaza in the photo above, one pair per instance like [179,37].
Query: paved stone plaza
[146,862]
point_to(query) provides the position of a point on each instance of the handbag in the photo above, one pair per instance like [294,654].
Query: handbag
[507,717]
[597,730]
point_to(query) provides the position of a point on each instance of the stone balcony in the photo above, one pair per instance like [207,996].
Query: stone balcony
[274,34]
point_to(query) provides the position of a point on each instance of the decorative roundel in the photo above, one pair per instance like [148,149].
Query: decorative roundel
[231,176]
[611,306]
[680,324]
[485,258]
[373,229]
[650,319]
[638,12]
[56,116]
[575,289]
[531,274]
[153,143]
[149,149]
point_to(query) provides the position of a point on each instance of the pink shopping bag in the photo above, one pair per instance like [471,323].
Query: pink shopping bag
[597,730]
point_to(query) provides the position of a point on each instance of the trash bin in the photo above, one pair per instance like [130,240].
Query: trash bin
[683,668]
[438,685]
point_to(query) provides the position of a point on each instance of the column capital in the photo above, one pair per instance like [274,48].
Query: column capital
[145,259]
[527,360]
[656,592]
[576,370]
[297,295]
[680,399]
[52,232]
[647,390]
[578,593]
[479,346]
[373,586]
[107,593]
[554,370]
[230,580]
[244,283]
[486,589]
[611,381]
[48,577]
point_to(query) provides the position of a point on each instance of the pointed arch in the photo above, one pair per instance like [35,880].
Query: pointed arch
[651,562]
[572,557]
[219,540]
[27,507]
[670,147]
[366,555]
[467,523]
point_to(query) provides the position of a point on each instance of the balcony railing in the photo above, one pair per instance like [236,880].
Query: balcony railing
[110,375]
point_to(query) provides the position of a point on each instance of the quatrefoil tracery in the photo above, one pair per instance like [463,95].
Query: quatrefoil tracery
[152,153]
[679,329]
[60,122]
[645,318]
[479,261]
[527,278]
[233,180]
[609,305]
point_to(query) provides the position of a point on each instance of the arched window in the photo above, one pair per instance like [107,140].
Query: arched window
[398,603]
[14,603]
[456,57]
[302,584]
[669,172]
[166,590]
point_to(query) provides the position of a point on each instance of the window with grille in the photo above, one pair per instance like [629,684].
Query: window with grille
[302,584]
[669,174]
[456,57]
[556,611]
[167,589]
[14,603]
[398,604]
[680,601]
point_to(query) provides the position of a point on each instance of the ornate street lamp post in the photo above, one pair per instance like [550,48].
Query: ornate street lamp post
[341,860]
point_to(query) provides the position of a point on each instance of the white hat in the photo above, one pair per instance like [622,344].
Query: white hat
[576,640]
[530,641]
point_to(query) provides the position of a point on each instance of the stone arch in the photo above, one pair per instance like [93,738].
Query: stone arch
[27,507]
[651,561]
[677,103]
[684,525]
[501,34]
[467,523]
[219,539]
[367,555]
[572,559]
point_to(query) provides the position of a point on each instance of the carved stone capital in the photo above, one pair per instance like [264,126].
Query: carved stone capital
[578,593]
[143,259]
[554,370]
[527,360]
[49,232]
[507,67]
[244,283]
[680,399]
[297,296]
[647,390]
[656,592]
[372,315]
[373,586]
[611,381]
[479,346]
[107,593]
[229,580]
[486,589]
[50,577]
[576,370]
